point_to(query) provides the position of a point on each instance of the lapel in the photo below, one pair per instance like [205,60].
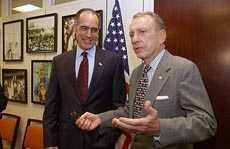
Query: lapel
[97,72]
[72,74]
[160,77]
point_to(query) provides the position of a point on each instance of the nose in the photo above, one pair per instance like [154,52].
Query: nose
[134,38]
[89,32]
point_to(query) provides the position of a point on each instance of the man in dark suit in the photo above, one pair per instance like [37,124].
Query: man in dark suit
[68,97]
[168,104]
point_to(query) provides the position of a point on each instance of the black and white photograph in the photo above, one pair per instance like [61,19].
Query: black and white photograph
[13,40]
[69,41]
[40,75]
[15,84]
[41,34]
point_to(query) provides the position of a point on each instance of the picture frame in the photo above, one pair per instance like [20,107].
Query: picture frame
[41,34]
[40,75]
[13,41]
[15,84]
[68,38]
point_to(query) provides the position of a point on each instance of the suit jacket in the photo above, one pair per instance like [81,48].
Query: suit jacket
[178,93]
[106,92]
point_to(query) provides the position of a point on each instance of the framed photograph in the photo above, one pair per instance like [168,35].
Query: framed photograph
[40,75]
[69,41]
[13,41]
[41,34]
[15,84]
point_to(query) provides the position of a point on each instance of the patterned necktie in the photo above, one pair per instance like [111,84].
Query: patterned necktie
[83,78]
[141,91]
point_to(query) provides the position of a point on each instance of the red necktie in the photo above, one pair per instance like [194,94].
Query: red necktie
[83,78]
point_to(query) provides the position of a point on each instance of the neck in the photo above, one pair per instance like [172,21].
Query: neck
[154,55]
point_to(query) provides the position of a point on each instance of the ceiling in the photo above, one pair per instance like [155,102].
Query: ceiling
[16,3]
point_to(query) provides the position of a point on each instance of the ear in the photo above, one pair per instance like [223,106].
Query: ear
[162,36]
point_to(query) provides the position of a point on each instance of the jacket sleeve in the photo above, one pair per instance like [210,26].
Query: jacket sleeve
[50,116]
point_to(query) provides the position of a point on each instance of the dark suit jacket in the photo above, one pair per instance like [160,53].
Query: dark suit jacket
[178,93]
[106,92]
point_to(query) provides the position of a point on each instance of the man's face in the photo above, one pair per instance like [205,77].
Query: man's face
[87,30]
[146,38]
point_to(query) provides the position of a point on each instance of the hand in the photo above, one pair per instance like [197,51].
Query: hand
[88,121]
[150,124]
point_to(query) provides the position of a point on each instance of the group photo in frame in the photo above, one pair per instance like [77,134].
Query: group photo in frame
[41,34]
[69,41]
[15,84]
[13,40]
[40,75]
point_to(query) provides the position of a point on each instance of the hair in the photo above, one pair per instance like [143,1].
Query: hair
[156,18]
[78,14]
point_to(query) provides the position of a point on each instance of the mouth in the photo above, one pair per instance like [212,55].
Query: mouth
[88,40]
[137,49]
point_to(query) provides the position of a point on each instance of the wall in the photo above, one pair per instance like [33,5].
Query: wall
[199,30]
[31,110]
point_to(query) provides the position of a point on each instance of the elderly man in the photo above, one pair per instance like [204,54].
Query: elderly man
[168,104]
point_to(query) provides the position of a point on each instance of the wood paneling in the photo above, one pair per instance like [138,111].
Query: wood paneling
[200,31]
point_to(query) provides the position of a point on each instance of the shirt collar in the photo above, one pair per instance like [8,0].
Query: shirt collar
[156,60]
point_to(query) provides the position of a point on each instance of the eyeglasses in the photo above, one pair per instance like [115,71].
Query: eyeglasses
[85,29]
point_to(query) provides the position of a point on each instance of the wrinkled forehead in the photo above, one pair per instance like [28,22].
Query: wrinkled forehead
[88,17]
[141,22]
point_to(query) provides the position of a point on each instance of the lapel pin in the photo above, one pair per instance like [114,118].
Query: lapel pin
[100,64]
[160,77]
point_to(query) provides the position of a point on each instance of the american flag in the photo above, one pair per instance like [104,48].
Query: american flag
[115,41]
[115,38]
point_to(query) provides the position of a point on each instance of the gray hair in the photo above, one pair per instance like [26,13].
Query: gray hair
[156,18]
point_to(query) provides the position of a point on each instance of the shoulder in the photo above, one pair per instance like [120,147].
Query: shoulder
[107,55]
[177,61]
[183,65]
[65,56]
[137,70]
[182,62]
[106,52]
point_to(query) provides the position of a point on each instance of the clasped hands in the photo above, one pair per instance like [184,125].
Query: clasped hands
[149,125]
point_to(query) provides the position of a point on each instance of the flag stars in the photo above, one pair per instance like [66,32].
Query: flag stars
[124,57]
[123,48]
[116,48]
[120,32]
[114,32]
[108,40]
[115,8]
[117,16]
[119,24]
[112,24]
[122,40]
[115,40]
